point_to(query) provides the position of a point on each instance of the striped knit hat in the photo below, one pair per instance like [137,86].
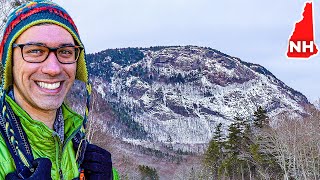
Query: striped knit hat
[30,14]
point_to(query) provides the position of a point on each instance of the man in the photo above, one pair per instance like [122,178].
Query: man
[41,137]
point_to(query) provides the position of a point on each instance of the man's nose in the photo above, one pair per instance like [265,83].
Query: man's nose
[51,65]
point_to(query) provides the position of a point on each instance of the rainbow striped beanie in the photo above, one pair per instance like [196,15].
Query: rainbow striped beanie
[30,14]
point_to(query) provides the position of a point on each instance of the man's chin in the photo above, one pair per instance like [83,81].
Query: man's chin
[47,106]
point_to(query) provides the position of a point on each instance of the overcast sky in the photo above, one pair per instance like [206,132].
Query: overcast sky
[255,31]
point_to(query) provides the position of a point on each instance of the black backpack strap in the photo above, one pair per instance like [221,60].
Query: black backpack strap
[16,141]
[79,144]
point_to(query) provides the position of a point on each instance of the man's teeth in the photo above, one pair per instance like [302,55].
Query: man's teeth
[49,86]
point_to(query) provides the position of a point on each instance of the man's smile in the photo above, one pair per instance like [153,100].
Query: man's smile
[50,86]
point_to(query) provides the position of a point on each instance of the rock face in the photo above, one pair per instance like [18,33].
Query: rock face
[177,95]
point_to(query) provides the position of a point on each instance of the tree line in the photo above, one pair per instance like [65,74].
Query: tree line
[252,149]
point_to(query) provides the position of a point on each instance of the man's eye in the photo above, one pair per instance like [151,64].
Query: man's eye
[35,52]
[66,52]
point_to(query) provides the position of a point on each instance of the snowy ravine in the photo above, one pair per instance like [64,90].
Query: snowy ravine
[177,95]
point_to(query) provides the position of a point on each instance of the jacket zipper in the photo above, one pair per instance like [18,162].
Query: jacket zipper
[59,154]
[70,137]
[61,174]
[63,148]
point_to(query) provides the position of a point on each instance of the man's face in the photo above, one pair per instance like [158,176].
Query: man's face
[42,86]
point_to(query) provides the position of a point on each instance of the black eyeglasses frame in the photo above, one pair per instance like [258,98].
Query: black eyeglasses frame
[54,50]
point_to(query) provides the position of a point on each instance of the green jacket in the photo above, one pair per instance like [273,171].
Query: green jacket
[45,142]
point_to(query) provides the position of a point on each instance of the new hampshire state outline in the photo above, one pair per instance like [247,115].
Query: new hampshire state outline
[301,43]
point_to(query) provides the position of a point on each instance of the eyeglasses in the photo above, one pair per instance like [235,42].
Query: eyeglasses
[37,53]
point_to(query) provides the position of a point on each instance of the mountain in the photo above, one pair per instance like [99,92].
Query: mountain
[175,96]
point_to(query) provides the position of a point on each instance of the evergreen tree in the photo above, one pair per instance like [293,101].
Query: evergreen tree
[213,157]
[234,164]
[148,173]
[247,135]
[260,118]
[229,163]
[234,137]
[217,135]
[240,156]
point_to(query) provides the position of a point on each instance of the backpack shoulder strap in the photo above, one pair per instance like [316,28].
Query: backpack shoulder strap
[79,144]
[16,141]
[79,141]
